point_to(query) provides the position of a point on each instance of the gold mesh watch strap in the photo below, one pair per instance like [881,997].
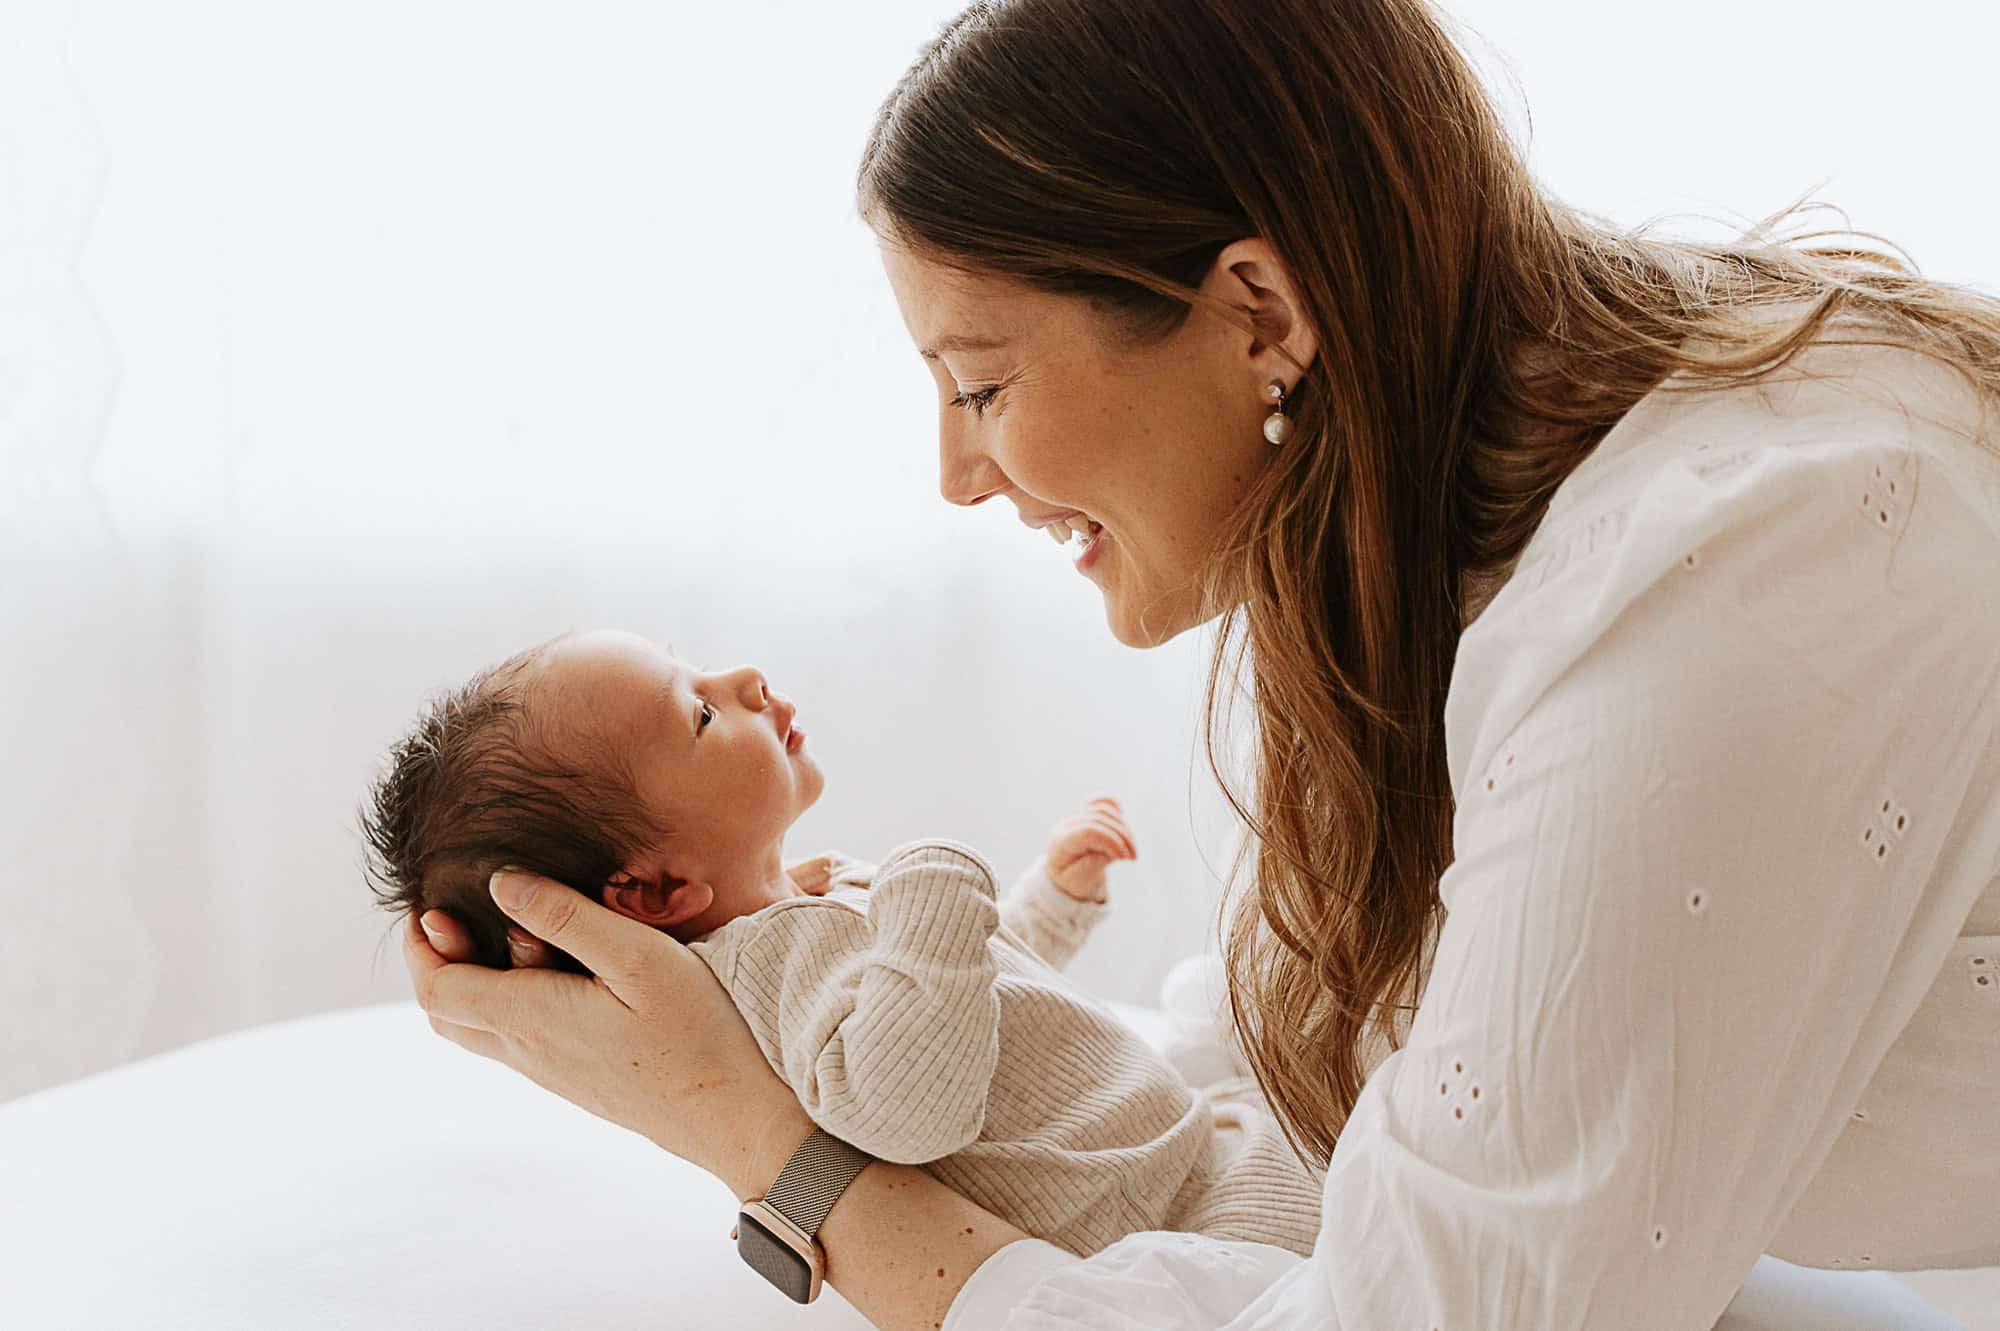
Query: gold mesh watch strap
[813,1179]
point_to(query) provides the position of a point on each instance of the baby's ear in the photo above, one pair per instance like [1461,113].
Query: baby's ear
[661,902]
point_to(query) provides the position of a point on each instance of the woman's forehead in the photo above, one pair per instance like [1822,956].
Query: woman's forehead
[951,309]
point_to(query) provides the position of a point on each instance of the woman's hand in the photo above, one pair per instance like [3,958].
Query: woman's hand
[1081,848]
[649,1040]
[654,1044]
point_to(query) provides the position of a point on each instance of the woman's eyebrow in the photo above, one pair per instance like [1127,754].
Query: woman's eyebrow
[961,343]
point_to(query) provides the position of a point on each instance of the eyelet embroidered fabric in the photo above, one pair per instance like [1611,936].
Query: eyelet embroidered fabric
[1720,970]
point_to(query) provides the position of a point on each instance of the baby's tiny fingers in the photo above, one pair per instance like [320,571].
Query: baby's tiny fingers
[1109,846]
[812,876]
[1118,829]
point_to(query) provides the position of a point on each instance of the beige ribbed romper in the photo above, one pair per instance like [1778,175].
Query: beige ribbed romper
[924,1021]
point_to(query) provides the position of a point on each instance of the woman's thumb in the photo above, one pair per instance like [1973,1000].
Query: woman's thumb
[606,942]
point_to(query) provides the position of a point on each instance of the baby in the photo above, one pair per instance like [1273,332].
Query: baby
[915,1011]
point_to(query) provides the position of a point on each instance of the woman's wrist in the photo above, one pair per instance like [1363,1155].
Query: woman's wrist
[751,1159]
[900,1245]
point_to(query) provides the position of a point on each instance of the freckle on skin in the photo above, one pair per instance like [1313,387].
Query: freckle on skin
[940,1273]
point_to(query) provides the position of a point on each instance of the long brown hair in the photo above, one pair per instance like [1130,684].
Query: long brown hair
[1477,338]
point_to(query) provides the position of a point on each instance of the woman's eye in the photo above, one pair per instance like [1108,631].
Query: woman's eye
[976,402]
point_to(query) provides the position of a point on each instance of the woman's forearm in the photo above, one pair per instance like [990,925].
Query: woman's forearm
[899,1244]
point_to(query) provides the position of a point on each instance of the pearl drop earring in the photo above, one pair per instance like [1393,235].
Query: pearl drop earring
[1277,425]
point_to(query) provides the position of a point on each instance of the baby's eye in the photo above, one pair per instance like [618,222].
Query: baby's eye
[976,402]
[707,715]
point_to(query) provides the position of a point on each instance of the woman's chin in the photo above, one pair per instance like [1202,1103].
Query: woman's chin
[1132,635]
[1161,621]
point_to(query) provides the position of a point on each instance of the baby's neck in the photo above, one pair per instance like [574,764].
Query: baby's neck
[735,899]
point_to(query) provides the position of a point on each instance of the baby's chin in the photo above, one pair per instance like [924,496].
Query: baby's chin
[812,783]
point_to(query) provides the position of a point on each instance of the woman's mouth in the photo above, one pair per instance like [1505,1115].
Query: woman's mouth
[1088,545]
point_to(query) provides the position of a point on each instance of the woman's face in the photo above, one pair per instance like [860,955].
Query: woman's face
[1040,400]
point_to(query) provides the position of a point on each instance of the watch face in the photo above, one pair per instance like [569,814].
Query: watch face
[774,1259]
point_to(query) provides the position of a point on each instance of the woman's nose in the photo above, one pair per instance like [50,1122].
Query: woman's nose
[966,475]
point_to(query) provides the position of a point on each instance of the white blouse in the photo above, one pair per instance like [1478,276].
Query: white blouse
[1720,969]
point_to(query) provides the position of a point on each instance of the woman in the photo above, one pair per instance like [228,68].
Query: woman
[1637,736]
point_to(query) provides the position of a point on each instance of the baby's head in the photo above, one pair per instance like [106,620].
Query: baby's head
[600,760]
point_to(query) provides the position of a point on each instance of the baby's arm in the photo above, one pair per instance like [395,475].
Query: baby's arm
[885,1025]
[1046,918]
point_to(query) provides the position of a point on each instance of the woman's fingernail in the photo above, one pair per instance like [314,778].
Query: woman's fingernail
[437,939]
[511,890]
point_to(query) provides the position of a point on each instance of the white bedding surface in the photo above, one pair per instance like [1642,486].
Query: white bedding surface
[355,1171]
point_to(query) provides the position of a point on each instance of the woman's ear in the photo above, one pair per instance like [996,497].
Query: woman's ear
[1249,275]
[661,902]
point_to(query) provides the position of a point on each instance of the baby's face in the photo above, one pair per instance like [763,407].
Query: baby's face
[708,750]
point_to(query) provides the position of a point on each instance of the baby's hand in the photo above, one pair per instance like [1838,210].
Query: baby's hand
[1081,847]
[815,876]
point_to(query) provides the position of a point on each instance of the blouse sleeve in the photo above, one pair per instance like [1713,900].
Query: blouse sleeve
[1697,810]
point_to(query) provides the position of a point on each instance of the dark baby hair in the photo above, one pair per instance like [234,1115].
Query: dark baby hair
[475,785]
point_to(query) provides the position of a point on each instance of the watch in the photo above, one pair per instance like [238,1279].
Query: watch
[776,1233]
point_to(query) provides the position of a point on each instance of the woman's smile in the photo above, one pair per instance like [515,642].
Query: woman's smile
[1087,549]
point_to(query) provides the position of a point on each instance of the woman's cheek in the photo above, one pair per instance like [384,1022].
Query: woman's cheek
[1040,462]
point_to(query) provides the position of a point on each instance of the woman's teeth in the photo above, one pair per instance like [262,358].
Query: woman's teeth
[1075,525]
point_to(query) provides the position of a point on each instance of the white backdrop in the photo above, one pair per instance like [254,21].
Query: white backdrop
[347,347]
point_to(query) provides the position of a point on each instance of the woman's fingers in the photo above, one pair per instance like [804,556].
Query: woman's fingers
[669,1058]
[422,941]
[446,991]
[462,994]
[484,1043]
[616,949]
[526,950]
[447,937]
[452,941]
